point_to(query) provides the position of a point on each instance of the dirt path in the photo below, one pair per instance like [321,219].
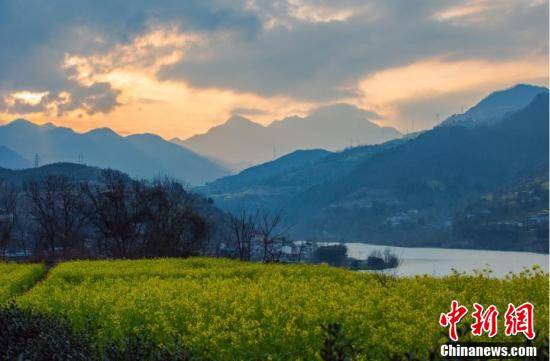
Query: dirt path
[47,268]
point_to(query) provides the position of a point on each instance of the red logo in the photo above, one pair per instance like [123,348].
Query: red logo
[516,320]
[519,320]
[453,317]
[484,321]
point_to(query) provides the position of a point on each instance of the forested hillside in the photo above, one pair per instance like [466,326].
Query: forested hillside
[406,192]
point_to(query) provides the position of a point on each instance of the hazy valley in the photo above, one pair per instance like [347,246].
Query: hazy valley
[458,185]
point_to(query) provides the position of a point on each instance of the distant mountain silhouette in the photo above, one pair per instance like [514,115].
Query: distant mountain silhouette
[403,192]
[75,171]
[240,141]
[142,156]
[11,160]
[496,105]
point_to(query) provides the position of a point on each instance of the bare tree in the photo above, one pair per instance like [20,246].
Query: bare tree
[115,212]
[57,211]
[242,231]
[271,230]
[8,216]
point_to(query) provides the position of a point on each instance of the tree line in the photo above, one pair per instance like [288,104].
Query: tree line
[57,217]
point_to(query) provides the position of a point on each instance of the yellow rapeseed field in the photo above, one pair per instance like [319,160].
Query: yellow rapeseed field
[15,278]
[229,310]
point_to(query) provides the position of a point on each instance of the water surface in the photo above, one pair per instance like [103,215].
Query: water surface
[441,261]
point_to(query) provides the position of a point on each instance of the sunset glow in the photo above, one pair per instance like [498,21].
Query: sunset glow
[142,101]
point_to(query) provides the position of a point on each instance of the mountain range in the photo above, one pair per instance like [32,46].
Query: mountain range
[141,155]
[240,142]
[410,190]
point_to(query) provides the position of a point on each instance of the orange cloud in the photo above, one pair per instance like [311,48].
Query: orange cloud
[383,90]
[170,109]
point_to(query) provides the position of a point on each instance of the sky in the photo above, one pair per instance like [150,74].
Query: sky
[177,68]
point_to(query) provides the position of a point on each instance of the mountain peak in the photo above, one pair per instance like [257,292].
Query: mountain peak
[236,120]
[102,131]
[524,86]
[496,105]
[520,94]
[25,124]
[149,137]
[331,127]
[21,122]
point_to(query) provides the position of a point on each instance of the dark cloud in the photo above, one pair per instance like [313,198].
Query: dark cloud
[266,47]
[36,36]
[21,107]
[98,97]
[324,60]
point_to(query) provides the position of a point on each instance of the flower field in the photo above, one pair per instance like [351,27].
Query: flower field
[15,278]
[228,310]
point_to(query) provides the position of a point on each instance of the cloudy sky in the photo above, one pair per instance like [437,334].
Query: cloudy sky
[177,68]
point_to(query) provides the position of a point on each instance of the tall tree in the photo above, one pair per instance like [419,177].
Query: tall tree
[242,231]
[271,230]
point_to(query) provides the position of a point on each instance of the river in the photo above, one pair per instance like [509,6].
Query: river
[441,261]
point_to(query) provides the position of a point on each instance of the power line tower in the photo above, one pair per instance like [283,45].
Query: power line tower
[80,159]
[36,160]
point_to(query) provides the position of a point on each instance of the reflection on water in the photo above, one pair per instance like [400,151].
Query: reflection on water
[441,261]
